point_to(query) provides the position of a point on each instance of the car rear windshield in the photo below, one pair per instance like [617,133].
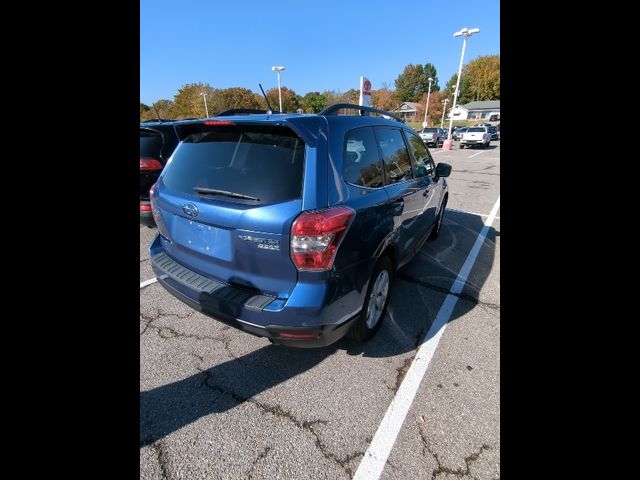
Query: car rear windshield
[476,129]
[262,162]
[428,130]
[150,144]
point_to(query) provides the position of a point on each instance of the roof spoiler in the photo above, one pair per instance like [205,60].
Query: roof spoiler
[333,109]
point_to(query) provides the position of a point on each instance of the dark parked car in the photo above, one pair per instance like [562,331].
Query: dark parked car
[158,140]
[291,226]
[495,133]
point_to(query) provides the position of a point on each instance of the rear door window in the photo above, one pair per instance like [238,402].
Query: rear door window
[262,162]
[150,143]
[395,155]
[362,165]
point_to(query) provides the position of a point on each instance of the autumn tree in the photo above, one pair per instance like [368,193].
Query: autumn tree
[313,102]
[289,99]
[413,82]
[188,102]
[162,107]
[434,115]
[481,79]
[228,98]
[384,99]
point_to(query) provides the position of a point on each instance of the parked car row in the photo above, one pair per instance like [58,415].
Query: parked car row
[291,227]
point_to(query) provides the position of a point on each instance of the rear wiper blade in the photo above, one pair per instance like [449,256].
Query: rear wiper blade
[215,191]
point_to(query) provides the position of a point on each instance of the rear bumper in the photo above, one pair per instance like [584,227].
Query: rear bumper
[257,314]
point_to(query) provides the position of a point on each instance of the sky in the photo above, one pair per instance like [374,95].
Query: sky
[324,45]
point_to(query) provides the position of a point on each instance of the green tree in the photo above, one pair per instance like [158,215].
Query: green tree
[188,102]
[313,102]
[413,82]
[430,71]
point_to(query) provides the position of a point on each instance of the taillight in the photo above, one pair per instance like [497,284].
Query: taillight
[145,208]
[316,236]
[157,214]
[149,164]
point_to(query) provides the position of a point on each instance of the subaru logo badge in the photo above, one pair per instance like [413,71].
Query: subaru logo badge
[190,210]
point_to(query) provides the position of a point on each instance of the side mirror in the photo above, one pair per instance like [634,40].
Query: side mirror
[443,170]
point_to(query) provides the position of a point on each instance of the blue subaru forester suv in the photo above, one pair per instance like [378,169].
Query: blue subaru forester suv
[291,226]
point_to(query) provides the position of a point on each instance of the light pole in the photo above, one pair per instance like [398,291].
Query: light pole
[426,109]
[206,110]
[466,33]
[445,101]
[278,70]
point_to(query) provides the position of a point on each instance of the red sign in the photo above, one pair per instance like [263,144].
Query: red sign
[366,90]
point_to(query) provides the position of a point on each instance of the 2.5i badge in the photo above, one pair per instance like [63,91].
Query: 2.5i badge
[261,242]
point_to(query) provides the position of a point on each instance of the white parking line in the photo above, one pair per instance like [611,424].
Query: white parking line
[148,282]
[375,458]
[476,154]
[469,213]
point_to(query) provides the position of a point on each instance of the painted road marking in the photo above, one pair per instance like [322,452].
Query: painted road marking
[468,213]
[375,458]
[148,282]
[476,154]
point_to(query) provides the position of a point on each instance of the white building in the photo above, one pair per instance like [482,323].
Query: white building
[476,110]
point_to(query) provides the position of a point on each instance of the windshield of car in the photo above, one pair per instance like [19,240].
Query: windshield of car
[429,130]
[476,129]
[260,162]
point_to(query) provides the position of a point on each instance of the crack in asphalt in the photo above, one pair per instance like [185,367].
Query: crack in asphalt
[277,411]
[161,455]
[441,469]
[401,371]
[462,295]
[262,455]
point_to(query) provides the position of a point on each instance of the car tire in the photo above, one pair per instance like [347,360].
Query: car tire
[436,229]
[370,318]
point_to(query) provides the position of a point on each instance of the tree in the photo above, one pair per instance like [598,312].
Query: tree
[313,102]
[384,99]
[229,98]
[413,82]
[434,116]
[481,78]
[188,102]
[163,108]
[430,71]
[289,99]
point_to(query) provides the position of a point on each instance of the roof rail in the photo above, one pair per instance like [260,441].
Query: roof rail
[332,109]
[239,111]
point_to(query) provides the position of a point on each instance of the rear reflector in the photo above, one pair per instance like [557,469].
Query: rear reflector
[149,164]
[218,122]
[144,207]
[299,336]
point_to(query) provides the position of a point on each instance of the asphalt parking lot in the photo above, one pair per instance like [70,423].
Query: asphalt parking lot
[217,403]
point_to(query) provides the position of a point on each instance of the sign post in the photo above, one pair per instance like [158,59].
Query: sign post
[365,92]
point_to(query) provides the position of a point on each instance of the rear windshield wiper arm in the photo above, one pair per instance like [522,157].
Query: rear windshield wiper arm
[215,191]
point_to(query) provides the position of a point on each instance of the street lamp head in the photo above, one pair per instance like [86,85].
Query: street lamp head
[474,30]
[466,32]
[277,68]
[430,79]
